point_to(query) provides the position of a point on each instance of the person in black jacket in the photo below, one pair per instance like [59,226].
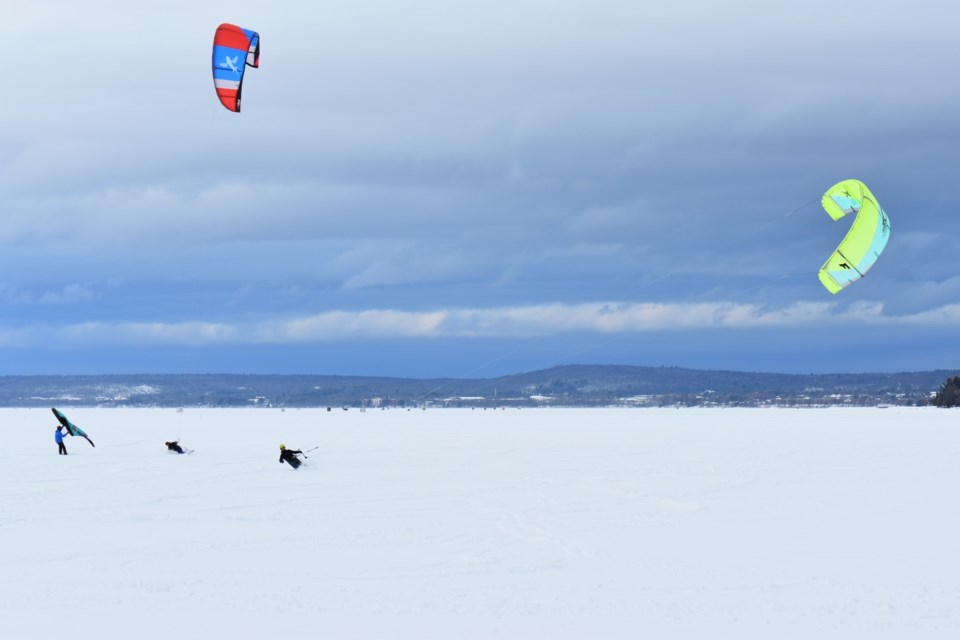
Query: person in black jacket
[290,456]
[174,446]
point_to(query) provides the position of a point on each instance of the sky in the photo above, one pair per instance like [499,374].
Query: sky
[469,189]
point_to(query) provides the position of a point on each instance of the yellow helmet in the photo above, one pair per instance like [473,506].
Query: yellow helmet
[283,446]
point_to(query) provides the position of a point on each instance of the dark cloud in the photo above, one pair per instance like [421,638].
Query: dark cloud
[441,155]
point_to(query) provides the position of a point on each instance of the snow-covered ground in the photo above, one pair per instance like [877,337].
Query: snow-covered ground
[543,523]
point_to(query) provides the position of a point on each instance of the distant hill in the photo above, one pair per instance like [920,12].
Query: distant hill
[572,385]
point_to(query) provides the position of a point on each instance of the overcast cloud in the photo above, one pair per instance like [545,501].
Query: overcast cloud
[447,178]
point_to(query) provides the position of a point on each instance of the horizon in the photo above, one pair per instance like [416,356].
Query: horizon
[479,378]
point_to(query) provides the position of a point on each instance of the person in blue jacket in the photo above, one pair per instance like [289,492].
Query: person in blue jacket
[58,436]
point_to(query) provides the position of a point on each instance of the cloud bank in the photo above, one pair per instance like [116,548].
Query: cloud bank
[507,322]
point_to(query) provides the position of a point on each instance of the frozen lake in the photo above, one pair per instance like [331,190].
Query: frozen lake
[453,523]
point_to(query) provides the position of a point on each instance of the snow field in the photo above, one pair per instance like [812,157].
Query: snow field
[453,523]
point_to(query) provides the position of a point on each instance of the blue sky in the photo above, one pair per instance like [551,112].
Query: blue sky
[475,188]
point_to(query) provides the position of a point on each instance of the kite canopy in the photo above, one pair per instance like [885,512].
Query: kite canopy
[864,242]
[231,44]
[71,428]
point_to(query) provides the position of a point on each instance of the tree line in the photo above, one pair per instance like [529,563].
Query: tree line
[949,394]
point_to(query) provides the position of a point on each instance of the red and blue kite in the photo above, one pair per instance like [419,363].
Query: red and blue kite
[234,49]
